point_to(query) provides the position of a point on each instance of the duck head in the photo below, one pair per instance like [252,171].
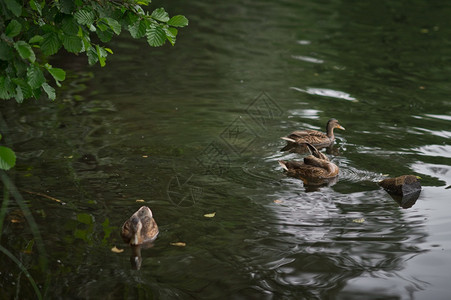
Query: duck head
[333,123]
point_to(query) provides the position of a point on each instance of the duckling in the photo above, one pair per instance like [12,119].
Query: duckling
[315,169]
[140,228]
[297,138]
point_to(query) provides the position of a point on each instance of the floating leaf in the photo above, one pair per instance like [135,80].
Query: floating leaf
[361,220]
[140,200]
[178,244]
[116,250]
[210,215]
[278,201]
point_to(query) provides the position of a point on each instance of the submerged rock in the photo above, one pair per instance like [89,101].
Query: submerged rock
[405,189]
[402,185]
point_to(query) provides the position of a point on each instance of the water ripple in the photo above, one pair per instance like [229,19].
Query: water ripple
[326,93]
[308,59]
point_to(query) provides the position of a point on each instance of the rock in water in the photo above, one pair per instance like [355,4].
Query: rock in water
[402,185]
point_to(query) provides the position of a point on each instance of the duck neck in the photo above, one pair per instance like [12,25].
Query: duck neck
[330,131]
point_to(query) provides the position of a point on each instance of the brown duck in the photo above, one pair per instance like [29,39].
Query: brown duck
[140,228]
[315,169]
[297,139]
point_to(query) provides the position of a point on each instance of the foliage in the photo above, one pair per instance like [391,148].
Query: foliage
[7,157]
[34,30]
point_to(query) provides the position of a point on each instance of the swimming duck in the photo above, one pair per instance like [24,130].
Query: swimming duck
[297,139]
[315,169]
[140,228]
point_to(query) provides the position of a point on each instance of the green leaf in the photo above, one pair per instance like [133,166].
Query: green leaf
[160,14]
[25,51]
[19,94]
[178,21]
[101,54]
[114,25]
[13,29]
[105,35]
[92,56]
[7,88]
[155,36]
[67,6]
[14,7]
[138,29]
[85,17]
[58,74]
[36,6]
[69,26]
[23,89]
[51,43]
[143,2]
[7,158]
[49,90]
[36,39]
[35,78]
[72,43]
[171,33]
[6,52]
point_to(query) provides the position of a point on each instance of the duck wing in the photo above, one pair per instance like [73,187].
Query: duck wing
[126,232]
[149,229]
[304,133]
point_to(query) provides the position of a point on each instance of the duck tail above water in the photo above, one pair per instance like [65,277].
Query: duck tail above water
[282,163]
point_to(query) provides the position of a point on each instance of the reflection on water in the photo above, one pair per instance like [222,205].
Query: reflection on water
[326,93]
[195,129]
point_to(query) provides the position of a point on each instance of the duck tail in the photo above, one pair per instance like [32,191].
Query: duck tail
[290,144]
[288,139]
[313,150]
[283,165]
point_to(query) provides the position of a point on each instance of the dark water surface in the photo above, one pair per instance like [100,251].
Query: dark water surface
[194,129]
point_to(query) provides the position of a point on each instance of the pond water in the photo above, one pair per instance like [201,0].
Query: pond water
[195,129]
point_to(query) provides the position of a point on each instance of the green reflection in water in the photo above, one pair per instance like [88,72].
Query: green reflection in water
[153,124]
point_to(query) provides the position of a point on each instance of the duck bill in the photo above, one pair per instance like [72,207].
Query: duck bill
[341,127]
